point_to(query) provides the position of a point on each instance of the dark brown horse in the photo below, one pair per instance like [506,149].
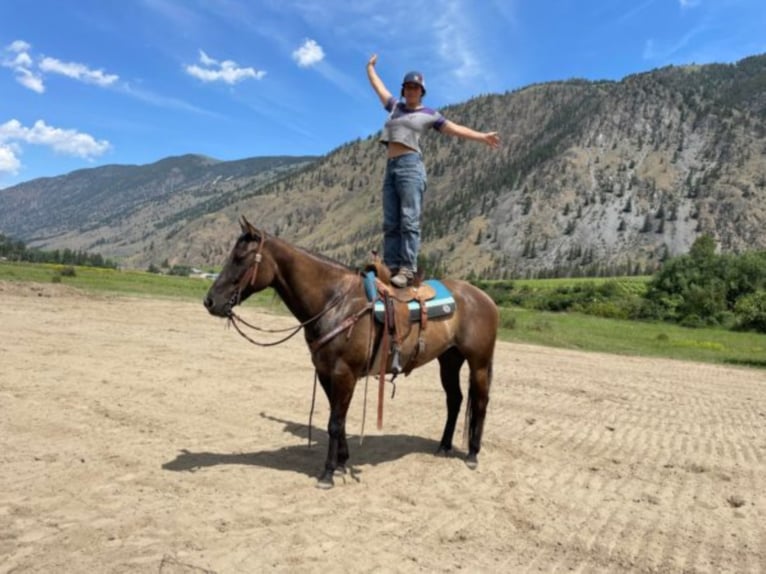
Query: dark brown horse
[345,339]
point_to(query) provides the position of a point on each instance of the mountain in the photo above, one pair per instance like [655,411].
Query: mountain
[600,177]
[120,210]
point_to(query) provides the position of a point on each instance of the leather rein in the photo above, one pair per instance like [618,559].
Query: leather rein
[250,277]
[345,325]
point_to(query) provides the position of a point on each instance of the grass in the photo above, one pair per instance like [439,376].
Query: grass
[632,283]
[639,338]
[102,280]
[564,330]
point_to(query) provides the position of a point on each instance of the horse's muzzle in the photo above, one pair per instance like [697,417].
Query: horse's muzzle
[213,309]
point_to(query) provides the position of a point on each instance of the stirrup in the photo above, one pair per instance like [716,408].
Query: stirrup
[396,365]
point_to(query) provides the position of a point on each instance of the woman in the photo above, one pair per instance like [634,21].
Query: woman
[405,179]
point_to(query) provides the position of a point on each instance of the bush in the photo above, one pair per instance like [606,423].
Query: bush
[507,319]
[750,311]
[703,288]
[501,292]
[606,309]
[180,270]
[63,272]
[692,320]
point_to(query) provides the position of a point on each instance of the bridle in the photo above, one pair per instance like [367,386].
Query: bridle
[250,277]
[346,325]
[251,274]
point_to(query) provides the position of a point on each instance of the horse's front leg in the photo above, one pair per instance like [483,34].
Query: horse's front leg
[449,368]
[339,389]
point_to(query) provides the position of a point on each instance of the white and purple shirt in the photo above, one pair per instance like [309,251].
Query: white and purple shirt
[405,126]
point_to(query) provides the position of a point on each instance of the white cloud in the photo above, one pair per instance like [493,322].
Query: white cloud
[455,37]
[22,60]
[67,142]
[30,77]
[206,60]
[668,53]
[308,54]
[161,101]
[77,71]
[227,71]
[22,65]
[30,80]
[19,46]
[9,163]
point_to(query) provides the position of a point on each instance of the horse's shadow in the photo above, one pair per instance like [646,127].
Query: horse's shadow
[302,459]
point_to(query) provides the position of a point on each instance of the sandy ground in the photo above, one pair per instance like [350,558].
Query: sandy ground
[141,435]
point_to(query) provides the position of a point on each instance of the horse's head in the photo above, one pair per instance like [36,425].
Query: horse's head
[247,270]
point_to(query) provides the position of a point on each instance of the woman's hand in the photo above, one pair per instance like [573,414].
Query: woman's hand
[492,139]
[376,83]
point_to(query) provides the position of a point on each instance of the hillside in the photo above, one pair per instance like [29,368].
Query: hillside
[593,177]
[121,210]
[596,177]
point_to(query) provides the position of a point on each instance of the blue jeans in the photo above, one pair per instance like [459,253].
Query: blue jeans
[403,189]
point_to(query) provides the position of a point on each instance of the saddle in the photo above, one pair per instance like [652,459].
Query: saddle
[398,309]
[425,300]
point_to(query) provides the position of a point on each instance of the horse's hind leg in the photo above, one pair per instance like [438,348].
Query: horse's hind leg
[478,398]
[449,366]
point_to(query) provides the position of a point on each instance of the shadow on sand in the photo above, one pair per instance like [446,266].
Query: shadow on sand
[307,460]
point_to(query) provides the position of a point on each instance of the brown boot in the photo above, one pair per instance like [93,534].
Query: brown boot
[402,278]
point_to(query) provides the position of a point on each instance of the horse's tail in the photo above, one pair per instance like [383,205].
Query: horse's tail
[467,421]
[489,376]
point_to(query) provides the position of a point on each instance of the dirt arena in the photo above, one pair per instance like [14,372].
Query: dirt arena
[141,435]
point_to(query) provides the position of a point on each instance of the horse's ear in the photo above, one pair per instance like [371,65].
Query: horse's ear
[248,228]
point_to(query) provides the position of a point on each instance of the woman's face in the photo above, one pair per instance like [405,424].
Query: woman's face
[413,93]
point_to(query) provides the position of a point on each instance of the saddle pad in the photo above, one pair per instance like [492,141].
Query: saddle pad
[440,305]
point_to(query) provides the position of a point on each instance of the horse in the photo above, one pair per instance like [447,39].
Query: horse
[347,342]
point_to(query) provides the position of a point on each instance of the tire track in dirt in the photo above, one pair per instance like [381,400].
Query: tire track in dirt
[637,436]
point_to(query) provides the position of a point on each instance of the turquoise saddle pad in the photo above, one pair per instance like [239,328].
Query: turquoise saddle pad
[440,305]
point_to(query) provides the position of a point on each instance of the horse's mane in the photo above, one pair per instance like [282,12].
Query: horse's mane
[319,256]
[375,264]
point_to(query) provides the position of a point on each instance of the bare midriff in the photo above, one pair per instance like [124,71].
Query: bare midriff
[395,149]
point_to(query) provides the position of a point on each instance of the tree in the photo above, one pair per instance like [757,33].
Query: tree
[703,249]
[751,312]
[703,288]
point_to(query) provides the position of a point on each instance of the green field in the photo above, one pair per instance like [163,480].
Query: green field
[639,338]
[135,283]
[566,330]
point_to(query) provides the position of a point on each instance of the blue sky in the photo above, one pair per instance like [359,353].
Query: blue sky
[85,83]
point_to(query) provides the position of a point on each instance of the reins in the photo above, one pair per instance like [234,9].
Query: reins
[250,278]
[233,318]
[345,325]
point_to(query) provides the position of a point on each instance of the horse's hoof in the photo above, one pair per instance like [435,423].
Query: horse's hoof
[443,452]
[340,471]
[325,481]
[471,461]
[325,484]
